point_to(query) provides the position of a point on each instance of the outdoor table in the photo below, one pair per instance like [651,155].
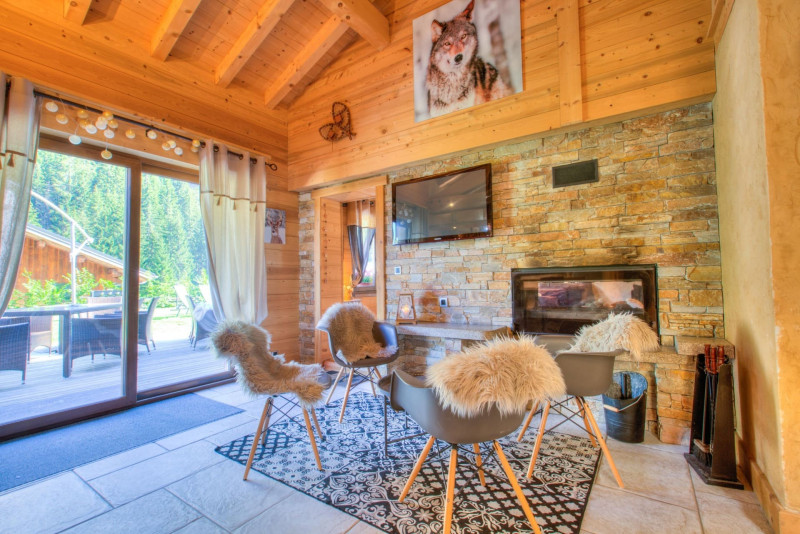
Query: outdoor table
[65,311]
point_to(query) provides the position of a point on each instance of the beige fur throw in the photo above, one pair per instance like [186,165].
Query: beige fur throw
[617,331]
[350,326]
[258,370]
[504,371]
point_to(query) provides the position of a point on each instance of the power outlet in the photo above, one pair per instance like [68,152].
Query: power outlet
[443,302]
[398,270]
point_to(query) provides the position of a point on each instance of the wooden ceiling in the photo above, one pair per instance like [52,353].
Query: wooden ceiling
[248,58]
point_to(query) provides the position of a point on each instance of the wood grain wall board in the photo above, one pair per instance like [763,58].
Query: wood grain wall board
[388,139]
[661,42]
[660,97]
[643,74]
[497,121]
[95,58]
[648,16]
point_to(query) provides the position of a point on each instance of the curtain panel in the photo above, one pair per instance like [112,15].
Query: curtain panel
[19,139]
[233,197]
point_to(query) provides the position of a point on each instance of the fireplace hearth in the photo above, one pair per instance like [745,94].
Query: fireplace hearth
[560,300]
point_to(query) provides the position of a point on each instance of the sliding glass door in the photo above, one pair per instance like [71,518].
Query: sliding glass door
[176,316]
[64,348]
[111,305]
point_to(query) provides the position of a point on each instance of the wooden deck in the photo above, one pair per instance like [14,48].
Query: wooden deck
[46,390]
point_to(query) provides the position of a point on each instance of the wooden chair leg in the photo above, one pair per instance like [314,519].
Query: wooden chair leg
[263,437]
[371,382]
[346,394]
[538,444]
[479,463]
[523,501]
[316,423]
[586,424]
[528,420]
[378,373]
[602,442]
[257,437]
[311,437]
[335,383]
[417,467]
[451,490]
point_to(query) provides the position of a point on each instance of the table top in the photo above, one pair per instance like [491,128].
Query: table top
[61,309]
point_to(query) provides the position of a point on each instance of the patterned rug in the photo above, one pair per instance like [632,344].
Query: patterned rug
[360,480]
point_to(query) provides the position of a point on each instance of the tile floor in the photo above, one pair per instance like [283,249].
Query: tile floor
[179,484]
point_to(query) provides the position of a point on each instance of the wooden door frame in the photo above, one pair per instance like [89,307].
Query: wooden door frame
[369,188]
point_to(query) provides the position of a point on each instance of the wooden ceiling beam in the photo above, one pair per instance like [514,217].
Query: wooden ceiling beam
[172,24]
[364,18]
[76,10]
[257,30]
[330,32]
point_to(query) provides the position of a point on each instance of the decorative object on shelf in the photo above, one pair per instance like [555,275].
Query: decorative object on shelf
[405,309]
[340,127]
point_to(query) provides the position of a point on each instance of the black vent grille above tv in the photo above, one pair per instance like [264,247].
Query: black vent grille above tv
[583,172]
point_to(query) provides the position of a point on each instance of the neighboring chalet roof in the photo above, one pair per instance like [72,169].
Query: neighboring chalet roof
[95,255]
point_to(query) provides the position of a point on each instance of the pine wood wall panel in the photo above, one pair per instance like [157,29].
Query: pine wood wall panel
[103,66]
[283,275]
[636,56]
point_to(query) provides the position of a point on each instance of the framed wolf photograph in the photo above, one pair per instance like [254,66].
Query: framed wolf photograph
[466,52]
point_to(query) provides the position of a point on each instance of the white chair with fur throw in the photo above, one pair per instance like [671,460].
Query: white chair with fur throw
[261,373]
[357,342]
[479,395]
[588,367]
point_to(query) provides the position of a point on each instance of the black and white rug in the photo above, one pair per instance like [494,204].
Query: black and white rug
[360,480]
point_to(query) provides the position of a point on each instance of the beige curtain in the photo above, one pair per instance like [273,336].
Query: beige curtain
[233,195]
[19,139]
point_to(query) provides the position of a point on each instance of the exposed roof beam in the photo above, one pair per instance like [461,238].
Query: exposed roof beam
[364,18]
[76,10]
[173,22]
[257,30]
[319,44]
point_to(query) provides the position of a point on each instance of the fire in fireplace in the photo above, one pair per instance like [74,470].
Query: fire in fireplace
[560,300]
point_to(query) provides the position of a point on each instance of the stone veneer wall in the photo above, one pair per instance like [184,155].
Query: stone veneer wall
[656,202]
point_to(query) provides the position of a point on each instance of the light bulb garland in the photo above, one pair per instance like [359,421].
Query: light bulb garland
[107,123]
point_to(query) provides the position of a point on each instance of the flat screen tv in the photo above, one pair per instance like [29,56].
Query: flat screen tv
[456,205]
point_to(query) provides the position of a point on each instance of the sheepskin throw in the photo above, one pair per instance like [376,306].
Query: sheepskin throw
[617,331]
[259,371]
[350,326]
[504,372]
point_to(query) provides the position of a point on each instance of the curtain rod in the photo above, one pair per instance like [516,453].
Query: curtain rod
[36,92]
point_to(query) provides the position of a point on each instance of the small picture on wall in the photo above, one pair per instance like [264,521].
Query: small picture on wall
[466,52]
[275,227]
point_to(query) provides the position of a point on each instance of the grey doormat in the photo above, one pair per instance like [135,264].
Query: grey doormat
[359,480]
[30,458]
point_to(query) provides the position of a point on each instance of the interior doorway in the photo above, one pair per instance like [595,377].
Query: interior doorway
[347,218]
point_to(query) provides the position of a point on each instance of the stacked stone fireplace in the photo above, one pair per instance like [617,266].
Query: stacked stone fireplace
[654,205]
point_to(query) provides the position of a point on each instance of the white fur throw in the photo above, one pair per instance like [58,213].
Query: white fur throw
[259,371]
[504,372]
[350,326]
[617,331]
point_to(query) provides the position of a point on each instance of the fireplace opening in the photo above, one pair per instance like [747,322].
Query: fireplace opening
[560,300]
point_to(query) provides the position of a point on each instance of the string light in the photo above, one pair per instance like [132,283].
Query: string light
[95,121]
